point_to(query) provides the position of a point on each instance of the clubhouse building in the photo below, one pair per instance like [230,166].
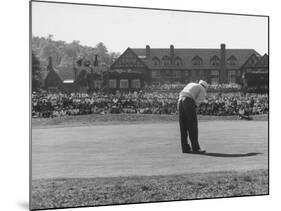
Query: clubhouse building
[139,67]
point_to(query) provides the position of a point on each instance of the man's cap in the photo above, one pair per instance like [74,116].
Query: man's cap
[203,83]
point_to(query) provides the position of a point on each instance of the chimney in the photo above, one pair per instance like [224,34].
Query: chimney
[223,77]
[172,53]
[147,51]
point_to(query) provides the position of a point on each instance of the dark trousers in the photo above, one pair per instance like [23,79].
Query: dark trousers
[188,124]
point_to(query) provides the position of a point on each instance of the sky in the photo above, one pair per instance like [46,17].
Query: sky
[119,28]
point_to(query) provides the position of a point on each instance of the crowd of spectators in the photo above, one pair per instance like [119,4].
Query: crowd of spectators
[235,104]
[144,102]
[176,87]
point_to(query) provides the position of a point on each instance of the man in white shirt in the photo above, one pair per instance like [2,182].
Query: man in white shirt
[190,97]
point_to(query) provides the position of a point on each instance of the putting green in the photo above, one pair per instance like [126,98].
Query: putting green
[146,149]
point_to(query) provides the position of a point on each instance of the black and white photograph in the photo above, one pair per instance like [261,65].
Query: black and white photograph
[133,105]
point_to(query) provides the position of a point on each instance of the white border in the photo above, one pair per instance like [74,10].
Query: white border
[15,91]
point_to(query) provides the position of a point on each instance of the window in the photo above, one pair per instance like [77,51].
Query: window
[253,60]
[155,61]
[155,73]
[215,61]
[166,61]
[178,61]
[136,84]
[231,72]
[214,73]
[186,73]
[214,81]
[232,61]
[214,77]
[178,74]
[193,73]
[170,73]
[231,76]
[112,84]
[197,61]
[124,84]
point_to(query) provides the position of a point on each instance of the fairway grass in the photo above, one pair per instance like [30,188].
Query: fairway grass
[99,119]
[71,192]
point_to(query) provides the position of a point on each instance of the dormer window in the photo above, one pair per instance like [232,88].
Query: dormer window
[156,61]
[232,61]
[166,61]
[215,61]
[197,61]
[178,61]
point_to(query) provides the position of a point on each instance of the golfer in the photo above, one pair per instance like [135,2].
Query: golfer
[189,98]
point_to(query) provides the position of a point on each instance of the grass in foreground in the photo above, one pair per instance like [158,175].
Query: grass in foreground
[55,193]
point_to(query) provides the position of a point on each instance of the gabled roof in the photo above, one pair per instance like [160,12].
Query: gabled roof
[187,54]
[65,72]
[251,61]
[263,62]
[52,73]
[44,74]
[129,51]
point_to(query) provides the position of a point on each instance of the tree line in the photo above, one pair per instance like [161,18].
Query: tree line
[65,54]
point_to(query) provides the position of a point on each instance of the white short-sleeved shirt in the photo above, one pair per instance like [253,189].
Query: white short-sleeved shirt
[194,91]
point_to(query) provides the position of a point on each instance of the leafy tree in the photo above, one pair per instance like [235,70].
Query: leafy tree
[50,36]
[49,49]
[112,57]
[35,72]
[101,48]
[71,51]
[102,51]
[67,53]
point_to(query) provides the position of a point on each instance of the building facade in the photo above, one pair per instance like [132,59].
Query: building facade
[138,68]
[82,76]
[170,65]
[128,72]
[256,73]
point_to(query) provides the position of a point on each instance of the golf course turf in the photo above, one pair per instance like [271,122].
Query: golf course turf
[90,163]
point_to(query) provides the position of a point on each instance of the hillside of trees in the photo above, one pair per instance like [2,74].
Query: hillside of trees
[67,53]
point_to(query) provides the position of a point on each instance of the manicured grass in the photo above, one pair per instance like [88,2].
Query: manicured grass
[99,158]
[146,149]
[56,193]
[98,119]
